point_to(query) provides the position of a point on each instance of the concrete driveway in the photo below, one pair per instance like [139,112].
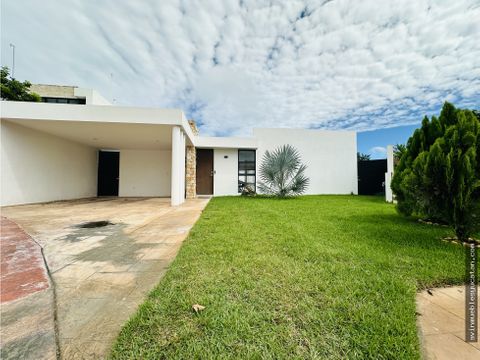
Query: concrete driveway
[103,256]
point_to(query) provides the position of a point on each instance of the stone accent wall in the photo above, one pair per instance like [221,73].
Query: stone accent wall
[191,173]
[193,126]
[191,166]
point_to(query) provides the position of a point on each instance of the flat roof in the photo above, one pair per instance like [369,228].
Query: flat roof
[39,111]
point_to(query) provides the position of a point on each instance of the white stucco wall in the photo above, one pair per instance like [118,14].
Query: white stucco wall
[212,142]
[331,156]
[38,167]
[389,174]
[92,97]
[225,179]
[145,173]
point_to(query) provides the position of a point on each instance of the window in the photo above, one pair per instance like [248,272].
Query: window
[246,169]
[56,100]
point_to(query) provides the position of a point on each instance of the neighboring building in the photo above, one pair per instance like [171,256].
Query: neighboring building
[58,94]
[59,152]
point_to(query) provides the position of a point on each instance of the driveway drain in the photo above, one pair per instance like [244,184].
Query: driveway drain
[94,224]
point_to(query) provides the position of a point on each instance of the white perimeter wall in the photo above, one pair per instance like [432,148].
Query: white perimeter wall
[38,167]
[330,156]
[225,179]
[145,173]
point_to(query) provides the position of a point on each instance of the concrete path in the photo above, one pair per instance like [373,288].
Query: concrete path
[441,323]
[101,274]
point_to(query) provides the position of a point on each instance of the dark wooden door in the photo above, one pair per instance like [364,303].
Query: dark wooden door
[204,171]
[108,173]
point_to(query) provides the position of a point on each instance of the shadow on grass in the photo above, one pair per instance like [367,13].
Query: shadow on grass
[398,229]
[271,197]
[302,197]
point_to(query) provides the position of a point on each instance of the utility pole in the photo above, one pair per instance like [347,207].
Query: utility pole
[13,60]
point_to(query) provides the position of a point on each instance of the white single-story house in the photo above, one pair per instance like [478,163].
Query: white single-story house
[60,151]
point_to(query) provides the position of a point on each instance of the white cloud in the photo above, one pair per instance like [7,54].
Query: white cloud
[237,65]
[378,151]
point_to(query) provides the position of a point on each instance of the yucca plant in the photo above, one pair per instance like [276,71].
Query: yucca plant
[282,173]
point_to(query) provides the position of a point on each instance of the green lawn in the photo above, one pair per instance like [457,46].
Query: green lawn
[313,277]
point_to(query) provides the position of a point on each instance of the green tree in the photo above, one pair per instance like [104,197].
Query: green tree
[362,156]
[399,150]
[476,113]
[282,173]
[438,175]
[463,173]
[15,90]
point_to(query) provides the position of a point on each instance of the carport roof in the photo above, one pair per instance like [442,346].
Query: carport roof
[101,126]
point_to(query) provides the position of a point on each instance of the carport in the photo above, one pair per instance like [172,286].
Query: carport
[60,152]
[103,255]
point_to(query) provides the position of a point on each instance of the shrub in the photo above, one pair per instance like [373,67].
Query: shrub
[438,175]
[282,173]
[248,190]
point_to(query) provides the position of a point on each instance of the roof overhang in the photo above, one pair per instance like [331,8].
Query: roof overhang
[101,126]
[206,142]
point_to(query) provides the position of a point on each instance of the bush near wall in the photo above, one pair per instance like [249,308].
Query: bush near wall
[438,176]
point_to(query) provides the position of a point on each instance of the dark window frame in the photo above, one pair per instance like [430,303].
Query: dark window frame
[60,100]
[254,169]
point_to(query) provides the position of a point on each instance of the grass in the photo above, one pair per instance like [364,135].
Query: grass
[313,277]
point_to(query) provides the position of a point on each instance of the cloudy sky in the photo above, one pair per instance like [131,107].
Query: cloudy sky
[235,65]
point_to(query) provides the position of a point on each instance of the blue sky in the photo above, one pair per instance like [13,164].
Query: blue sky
[233,65]
[375,142]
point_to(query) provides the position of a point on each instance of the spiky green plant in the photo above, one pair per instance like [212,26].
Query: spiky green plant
[282,173]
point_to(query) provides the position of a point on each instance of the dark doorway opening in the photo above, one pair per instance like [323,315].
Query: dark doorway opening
[204,171]
[371,177]
[108,173]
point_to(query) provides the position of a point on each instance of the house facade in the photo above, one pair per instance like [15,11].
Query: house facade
[59,151]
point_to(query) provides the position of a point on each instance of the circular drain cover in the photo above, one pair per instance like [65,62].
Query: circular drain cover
[94,224]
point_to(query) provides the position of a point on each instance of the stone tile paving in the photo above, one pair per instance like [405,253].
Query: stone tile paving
[441,322]
[102,274]
[27,327]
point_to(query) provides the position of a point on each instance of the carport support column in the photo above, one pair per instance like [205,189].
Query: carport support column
[178,166]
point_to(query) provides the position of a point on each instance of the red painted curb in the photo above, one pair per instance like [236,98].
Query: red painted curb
[22,268]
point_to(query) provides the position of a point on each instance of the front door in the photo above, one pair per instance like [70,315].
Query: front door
[108,173]
[204,171]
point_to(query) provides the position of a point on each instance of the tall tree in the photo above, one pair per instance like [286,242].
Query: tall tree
[438,175]
[14,90]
